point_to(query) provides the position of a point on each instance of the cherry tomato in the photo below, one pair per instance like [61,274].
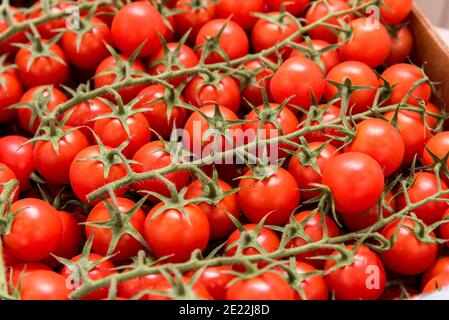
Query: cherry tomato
[295,7]
[7,175]
[437,145]
[10,93]
[198,290]
[21,270]
[401,46]
[6,46]
[44,285]
[241,12]
[193,15]
[395,11]
[132,287]
[261,81]
[329,58]
[314,287]
[216,280]
[439,282]
[441,266]
[71,237]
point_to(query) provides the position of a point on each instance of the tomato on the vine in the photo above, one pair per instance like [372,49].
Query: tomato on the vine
[10,93]
[44,285]
[216,281]
[401,46]
[329,58]
[295,7]
[7,175]
[241,12]
[395,11]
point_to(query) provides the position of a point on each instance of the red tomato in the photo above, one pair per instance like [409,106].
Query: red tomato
[21,270]
[35,231]
[98,271]
[132,287]
[328,114]
[267,286]
[193,16]
[18,156]
[408,256]
[83,184]
[176,234]
[363,279]
[380,140]
[444,228]
[356,181]
[360,75]
[313,228]
[314,287]
[437,145]
[49,29]
[8,259]
[276,194]
[395,11]
[322,9]
[329,58]
[306,175]
[254,89]
[233,41]
[295,7]
[401,46]
[10,93]
[7,175]
[71,237]
[402,77]
[439,282]
[88,52]
[216,280]
[44,285]
[54,165]
[200,92]
[241,12]
[132,17]
[217,214]
[431,120]
[198,291]
[153,156]
[441,266]
[424,186]
[285,85]
[6,46]
[127,245]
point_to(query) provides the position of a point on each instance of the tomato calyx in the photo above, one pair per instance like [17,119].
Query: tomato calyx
[212,45]
[198,5]
[306,156]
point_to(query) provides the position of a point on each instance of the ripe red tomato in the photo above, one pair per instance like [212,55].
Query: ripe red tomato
[83,184]
[425,185]
[132,287]
[322,9]
[401,46]
[176,234]
[267,33]
[363,279]
[71,237]
[305,175]
[18,156]
[395,11]
[91,50]
[276,194]
[193,15]
[441,266]
[54,165]
[267,286]
[402,77]
[132,17]
[438,145]
[35,231]
[153,156]
[216,280]
[49,29]
[360,75]
[127,93]
[44,285]
[356,181]
[408,256]
[314,287]
[284,83]
[444,228]
[98,271]
[329,58]
[217,214]
[241,12]
[254,89]
[6,46]
[439,282]
[328,114]
[295,7]
[127,245]
[380,140]
[313,228]
[21,270]
[10,93]
[198,290]
[200,92]
[7,175]
[233,41]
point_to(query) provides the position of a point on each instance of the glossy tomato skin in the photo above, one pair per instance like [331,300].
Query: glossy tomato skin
[35,232]
[216,280]
[10,93]
[198,290]
[267,286]
[437,283]
[220,224]
[153,156]
[380,140]
[329,58]
[402,77]
[253,91]
[71,238]
[408,256]
[193,18]
[18,156]
[7,175]
[54,165]
[359,74]
[441,266]
[295,7]
[401,46]
[240,11]
[425,185]
[200,93]
[92,49]
[233,41]
[19,271]
[132,17]
[363,279]
[314,287]
[44,285]
[438,145]
[395,11]
[82,184]
[127,246]
[176,234]
[444,228]
[305,176]
[132,287]
[315,231]
[285,85]
[277,195]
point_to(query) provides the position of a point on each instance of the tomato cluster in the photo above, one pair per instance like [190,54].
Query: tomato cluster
[315,164]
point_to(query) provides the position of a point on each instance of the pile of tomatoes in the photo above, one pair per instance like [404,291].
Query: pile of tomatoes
[96,204]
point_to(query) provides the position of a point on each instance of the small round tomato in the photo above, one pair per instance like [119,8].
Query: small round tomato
[133,287]
[439,282]
[314,287]
[402,78]
[241,12]
[284,84]
[329,58]
[233,41]
[401,46]
[306,175]
[71,237]
[274,196]
[35,231]
[198,291]
[359,74]
[408,255]
[193,15]
[295,7]
[7,175]
[363,279]
[444,228]
[267,286]
[437,145]
[44,285]
[253,91]
[127,245]
[216,280]
[329,113]
[21,270]
[85,161]
[441,266]
[314,229]
[10,93]
[132,17]
[395,11]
